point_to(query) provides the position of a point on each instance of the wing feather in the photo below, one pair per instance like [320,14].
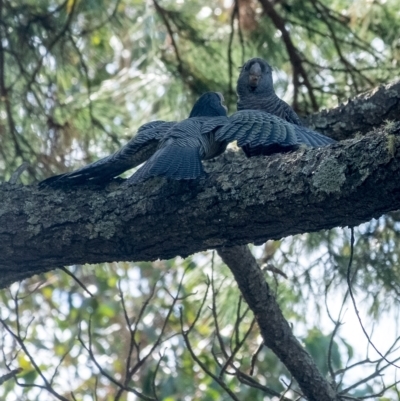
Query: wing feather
[258,132]
[171,161]
[135,152]
[252,127]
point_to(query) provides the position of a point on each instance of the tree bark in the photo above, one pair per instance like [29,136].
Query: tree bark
[241,201]
[274,328]
[40,230]
[360,114]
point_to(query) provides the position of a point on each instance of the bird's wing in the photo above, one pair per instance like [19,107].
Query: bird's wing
[181,150]
[312,138]
[255,128]
[142,146]
[173,162]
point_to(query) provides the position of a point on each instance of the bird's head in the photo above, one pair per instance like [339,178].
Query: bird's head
[211,104]
[255,77]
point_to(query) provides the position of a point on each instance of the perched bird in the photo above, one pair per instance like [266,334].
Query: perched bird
[255,91]
[175,150]
[200,138]
[185,144]
[142,146]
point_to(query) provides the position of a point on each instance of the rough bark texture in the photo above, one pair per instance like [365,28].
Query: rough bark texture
[274,329]
[360,115]
[241,201]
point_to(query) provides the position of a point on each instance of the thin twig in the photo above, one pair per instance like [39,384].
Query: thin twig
[185,335]
[79,282]
[163,14]
[89,349]
[10,375]
[21,343]
[354,301]
[234,15]
[254,358]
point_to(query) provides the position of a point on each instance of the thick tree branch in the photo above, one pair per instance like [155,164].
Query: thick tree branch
[275,330]
[41,230]
[255,290]
[241,201]
[361,114]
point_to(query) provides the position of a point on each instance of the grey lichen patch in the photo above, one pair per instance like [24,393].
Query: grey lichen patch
[367,106]
[391,145]
[29,207]
[329,176]
[34,219]
[91,231]
[96,201]
[105,229]
[389,125]
[226,185]
[364,174]
[214,242]
[34,229]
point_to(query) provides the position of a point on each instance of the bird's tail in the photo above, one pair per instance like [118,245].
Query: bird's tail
[99,172]
[174,162]
[51,181]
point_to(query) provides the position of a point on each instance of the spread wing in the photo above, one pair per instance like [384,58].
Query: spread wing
[312,138]
[141,147]
[258,132]
[173,162]
[252,127]
[182,149]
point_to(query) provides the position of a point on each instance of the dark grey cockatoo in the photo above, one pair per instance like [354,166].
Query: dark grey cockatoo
[175,150]
[146,143]
[201,138]
[255,91]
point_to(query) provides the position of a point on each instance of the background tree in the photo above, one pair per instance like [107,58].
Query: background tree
[76,80]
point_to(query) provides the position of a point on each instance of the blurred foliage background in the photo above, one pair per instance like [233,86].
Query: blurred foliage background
[77,78]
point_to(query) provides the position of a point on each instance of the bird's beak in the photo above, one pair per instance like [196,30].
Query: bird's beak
[253,80]
[255,75]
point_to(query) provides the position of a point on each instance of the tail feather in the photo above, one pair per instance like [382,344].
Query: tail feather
[104,170]
[174,162]
[51,181]
[98,172]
